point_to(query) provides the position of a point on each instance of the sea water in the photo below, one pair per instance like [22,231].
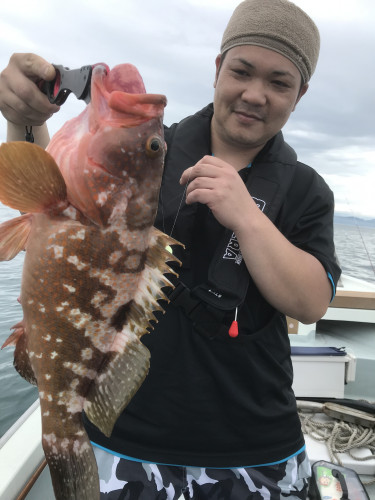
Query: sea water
[355,248]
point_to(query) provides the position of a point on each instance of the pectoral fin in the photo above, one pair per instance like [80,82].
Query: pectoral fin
[30,180]
[13,236]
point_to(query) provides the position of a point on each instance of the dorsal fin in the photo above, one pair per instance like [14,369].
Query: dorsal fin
[30,180]
[126,367]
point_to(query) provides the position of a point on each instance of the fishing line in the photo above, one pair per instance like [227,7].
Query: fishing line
[178,209]
[360,234]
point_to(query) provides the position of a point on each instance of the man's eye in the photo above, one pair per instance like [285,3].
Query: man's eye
[240,72]
[280,83]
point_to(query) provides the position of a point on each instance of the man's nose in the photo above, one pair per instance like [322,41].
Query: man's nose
[255,92]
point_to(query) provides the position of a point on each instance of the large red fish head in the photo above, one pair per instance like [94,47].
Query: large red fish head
[112,154]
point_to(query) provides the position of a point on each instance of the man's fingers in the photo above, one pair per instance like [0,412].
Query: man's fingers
[33,66]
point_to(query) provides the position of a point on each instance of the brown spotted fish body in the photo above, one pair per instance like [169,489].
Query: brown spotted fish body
[94,265]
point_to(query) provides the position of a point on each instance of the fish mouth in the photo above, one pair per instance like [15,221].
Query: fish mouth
[144,106]
[124,92]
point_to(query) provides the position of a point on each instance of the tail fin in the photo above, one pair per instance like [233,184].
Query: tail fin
[72,466]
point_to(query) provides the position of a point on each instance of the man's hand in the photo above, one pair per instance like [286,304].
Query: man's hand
[21,101]
[217,184]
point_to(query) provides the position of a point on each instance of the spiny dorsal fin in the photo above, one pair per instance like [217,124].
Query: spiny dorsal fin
[30,180]
[126,368]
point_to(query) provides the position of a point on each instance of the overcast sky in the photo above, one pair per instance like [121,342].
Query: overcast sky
[174,44]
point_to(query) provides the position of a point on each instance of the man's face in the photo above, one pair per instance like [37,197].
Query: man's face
[256,90]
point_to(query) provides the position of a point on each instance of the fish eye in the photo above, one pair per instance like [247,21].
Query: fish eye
[153,146]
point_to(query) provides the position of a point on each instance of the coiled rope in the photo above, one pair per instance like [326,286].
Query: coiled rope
[339,436]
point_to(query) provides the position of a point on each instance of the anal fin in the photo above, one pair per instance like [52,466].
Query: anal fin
[13,236]
[117,383]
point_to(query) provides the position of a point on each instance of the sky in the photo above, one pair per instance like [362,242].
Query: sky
[174,44]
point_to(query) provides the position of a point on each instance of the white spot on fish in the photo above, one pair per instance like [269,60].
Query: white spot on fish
[65,304]
[74,383]
[115,257]
[73,259]
[30,301]
[59,340]
[47,337]
[49,397]
[86,353]
[59,309]
[80,319]
[102,198]
[58,251]
[50,438]
[70,212]
[80,235]
[47,376]
[42,309]
[80,369]
[39,356]
[54,355]
[79,447]
[120,207]
[70,288]
[31,354]
[46,414]
[98,298]
[123,150]
[75,404]
[65,444]
[41,394]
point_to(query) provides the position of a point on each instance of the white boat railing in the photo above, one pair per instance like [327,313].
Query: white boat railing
[21,455]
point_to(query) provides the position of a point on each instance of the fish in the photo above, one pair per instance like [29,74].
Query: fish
[94,269]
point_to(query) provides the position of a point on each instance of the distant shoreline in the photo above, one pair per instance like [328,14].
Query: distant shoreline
[353,221]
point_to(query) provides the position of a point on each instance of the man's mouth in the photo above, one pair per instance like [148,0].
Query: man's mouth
[249,115]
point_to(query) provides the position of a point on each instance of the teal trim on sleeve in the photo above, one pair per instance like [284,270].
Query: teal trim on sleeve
[333,285]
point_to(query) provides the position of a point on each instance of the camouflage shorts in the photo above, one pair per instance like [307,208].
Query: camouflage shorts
[122,479]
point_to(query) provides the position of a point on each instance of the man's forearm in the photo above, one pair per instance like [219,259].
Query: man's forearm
[17,133]
[290,279]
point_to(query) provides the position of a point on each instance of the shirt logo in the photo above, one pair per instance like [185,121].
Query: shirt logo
[261,204]
[233,252]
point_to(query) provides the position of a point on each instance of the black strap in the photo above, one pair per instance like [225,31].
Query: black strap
[340,477]
[206,320]
[29,136]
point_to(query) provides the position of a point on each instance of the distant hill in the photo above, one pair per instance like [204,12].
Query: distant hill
[354,221]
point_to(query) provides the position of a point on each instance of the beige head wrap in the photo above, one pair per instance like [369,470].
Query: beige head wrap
[278,25]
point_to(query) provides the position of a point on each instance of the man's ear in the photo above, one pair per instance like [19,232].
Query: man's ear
[301,93]
[217,64]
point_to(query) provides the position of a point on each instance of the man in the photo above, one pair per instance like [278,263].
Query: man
[216,416]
